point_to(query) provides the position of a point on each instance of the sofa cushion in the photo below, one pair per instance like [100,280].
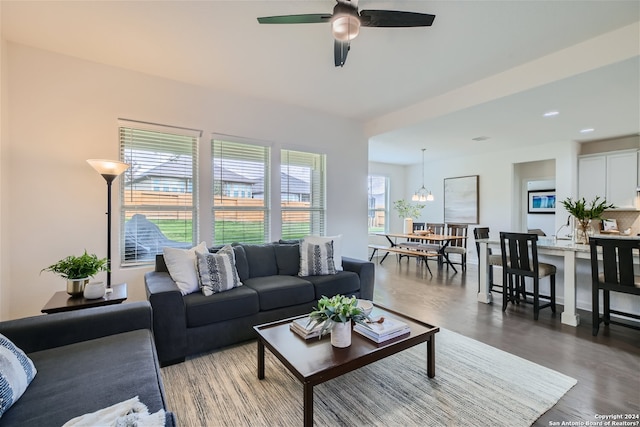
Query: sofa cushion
[218,271]
[281,291]
[242,265]
[181,264]
[337,247]
[16,373]
[261,260]
[288,259]
[344,282]
[204,310]
[87,376]
[316,259]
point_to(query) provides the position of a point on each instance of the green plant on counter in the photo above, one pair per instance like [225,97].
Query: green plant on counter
[78,267]
[585,212]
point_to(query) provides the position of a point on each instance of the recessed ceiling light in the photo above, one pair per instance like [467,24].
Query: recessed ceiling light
[551,113]
[587,130]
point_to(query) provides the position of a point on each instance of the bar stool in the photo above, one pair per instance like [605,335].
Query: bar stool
[617,276]
[519,261]
[495,260]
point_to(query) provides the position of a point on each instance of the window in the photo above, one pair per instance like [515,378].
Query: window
[303,198]
[377,195]
[158,206]
[240,192]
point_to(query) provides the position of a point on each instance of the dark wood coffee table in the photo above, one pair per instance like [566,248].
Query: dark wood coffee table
[315,361]
[62,301]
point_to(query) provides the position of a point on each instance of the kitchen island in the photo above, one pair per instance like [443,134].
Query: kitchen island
[565,249]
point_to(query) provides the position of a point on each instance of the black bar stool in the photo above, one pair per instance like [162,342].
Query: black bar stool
[519,261]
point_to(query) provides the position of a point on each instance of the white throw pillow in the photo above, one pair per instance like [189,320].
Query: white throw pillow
[337,247]
[181,264]
[316,259]
[16,373]
[218,271]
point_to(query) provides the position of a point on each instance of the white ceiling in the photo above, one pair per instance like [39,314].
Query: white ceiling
[399,83]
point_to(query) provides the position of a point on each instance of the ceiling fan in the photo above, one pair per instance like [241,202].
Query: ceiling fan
[346,22]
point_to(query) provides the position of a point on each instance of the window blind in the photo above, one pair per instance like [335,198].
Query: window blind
[240,208]
[303,194]
[158,201]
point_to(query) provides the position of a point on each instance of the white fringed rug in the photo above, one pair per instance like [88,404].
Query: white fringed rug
[475,385]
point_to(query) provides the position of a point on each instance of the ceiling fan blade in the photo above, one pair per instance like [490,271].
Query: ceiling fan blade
[312,18]
[340,51]
[395,18]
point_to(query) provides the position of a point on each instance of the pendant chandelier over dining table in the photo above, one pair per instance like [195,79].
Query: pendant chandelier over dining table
[422,195]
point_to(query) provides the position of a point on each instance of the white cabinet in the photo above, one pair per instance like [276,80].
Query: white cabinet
[592,172]
[613,175]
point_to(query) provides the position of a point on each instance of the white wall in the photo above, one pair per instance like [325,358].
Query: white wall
[62,111]
[4,99]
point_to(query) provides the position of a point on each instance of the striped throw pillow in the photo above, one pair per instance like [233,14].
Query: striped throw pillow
[16,373]
[218,271]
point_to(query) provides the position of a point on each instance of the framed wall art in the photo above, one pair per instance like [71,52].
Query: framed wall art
[461,200]
[542,202]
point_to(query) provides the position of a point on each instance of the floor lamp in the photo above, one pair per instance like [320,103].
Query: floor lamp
[110,170]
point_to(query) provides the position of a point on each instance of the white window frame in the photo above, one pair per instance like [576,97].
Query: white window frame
[384,210]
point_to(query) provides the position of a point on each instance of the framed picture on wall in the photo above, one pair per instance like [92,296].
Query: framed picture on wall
[461,200]
[542,202]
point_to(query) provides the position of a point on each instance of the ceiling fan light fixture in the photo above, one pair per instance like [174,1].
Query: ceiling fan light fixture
[345,27]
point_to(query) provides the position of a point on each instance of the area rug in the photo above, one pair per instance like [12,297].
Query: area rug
[475,385]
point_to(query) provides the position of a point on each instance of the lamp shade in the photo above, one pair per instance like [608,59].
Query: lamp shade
[109,169]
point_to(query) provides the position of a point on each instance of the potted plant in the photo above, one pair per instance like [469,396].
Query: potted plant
[78,270]
[335,314]
[584,213]
[408,213]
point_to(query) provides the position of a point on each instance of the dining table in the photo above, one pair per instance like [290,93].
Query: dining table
[442,240]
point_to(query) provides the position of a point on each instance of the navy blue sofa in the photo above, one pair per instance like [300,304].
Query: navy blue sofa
[86,360]
[272,290]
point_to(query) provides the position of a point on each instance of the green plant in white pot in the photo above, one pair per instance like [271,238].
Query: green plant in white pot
[335,314]
[77,270]
[407,212]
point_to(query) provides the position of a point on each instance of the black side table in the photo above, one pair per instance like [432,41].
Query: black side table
[62,301]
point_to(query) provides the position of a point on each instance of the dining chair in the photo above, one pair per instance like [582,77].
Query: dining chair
[519,261]
[412,243]
[433,245]
[495,260]
[458,246]
[617,275]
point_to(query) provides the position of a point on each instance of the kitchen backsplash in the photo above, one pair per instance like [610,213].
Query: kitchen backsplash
[625,219]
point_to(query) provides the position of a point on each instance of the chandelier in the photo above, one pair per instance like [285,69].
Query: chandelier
[422,195]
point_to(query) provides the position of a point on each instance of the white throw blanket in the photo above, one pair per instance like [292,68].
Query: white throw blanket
[130,413]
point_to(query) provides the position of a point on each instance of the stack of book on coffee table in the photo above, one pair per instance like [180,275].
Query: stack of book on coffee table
[383,329]
[303,328]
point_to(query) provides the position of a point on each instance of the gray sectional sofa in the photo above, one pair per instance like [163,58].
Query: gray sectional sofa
[86,360]
[189,324]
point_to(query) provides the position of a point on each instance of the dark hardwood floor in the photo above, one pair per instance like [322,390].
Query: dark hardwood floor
[607,367]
